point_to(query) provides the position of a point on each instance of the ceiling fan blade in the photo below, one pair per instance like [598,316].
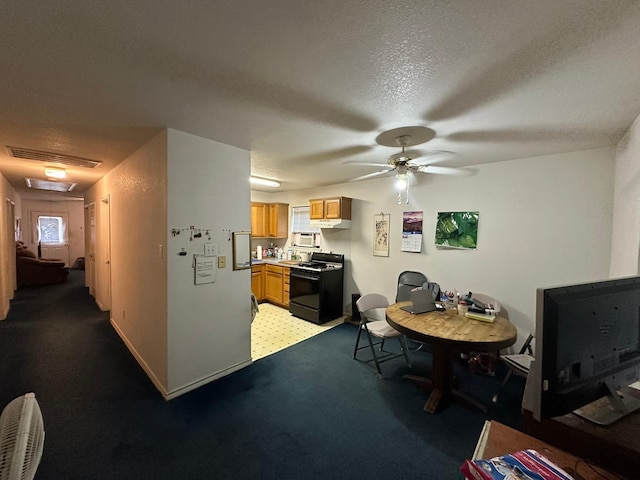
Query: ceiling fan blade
[442,170]
[369,175]
[431,157]
[368,164]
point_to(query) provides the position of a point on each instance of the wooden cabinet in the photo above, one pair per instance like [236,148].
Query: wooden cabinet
[286,271]
[269,220]
[273,284]
[276,282]
[278,217]
[316,209]
[258,219]
[257,281]
[330,208]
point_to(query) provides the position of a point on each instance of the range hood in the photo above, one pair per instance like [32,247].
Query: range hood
[334,223]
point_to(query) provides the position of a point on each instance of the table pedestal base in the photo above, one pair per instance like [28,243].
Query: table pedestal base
[438,398]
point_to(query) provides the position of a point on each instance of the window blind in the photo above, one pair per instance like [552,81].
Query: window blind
[300,222]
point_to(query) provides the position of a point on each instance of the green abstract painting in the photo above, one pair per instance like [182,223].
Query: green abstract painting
[457,230]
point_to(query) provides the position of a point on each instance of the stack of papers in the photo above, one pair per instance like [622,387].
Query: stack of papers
[485,317]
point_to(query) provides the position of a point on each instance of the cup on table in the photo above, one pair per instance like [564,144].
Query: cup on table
[462,308]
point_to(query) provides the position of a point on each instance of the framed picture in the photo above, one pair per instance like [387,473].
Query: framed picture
[381,235]
[457,230]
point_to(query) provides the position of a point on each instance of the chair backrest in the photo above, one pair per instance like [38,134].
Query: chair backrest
[369,302]
[526,346]
[407,281]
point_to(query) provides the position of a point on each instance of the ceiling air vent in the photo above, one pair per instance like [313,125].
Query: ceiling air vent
[50,157]
[49,185]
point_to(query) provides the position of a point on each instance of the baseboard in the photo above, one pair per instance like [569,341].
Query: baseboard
[208,379]
[156,382]
[168,395]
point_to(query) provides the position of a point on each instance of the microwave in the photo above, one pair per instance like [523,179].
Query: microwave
[305,240]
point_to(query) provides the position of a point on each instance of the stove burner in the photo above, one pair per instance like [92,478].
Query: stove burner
[312,264]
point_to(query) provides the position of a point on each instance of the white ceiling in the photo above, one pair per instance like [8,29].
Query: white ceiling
[307,85]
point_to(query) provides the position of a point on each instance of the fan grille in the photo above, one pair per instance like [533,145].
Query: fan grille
[21,438]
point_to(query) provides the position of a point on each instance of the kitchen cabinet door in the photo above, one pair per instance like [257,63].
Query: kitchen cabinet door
[278,220]
[285,286]
[258,219]
[316,209]
[273,284]
[339,207]
[257,282]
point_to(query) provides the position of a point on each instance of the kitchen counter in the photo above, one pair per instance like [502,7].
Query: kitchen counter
[274,261]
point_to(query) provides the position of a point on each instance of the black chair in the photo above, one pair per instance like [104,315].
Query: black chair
[407,281]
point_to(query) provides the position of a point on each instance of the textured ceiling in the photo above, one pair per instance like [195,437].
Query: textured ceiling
[308,85]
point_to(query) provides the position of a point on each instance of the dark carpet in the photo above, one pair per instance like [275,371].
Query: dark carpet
[309,411]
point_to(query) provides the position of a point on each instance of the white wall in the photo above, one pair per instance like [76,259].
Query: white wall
[626,209]
[137,188]
[209,325]
[8,196]
[543,221]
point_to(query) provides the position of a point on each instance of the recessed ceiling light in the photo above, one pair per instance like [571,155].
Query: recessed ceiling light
[264,181]
[53,172]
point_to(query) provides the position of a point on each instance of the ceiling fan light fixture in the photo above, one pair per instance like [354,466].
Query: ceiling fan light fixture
[53,172]
[402,184]
[264,181]
[401,181]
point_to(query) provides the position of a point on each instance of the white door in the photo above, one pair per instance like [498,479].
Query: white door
[90,246]
[104,254]
[50,230]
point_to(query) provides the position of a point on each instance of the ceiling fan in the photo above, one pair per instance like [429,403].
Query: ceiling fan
[406,162]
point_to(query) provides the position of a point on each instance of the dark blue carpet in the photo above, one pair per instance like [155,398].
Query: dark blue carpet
[309,411]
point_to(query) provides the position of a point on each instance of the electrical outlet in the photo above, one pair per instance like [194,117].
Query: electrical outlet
[210,249]
[222,262]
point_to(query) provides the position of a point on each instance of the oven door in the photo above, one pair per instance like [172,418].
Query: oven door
[304,288]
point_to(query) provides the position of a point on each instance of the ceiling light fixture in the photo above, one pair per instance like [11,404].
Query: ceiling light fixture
[402,184]
[264,181]
[53,172]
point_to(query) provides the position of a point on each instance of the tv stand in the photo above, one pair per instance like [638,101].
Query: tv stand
[610,408]
[615,447]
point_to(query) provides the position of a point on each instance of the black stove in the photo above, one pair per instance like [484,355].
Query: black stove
[322,261]
[315,289]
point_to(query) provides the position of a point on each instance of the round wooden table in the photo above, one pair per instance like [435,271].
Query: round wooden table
[447,332]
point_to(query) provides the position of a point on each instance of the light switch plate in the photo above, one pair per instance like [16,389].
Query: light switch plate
[222,262]
[210,249]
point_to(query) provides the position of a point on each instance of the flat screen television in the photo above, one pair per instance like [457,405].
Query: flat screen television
[587,350]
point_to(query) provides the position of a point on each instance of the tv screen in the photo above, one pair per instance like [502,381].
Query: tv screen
[587,349]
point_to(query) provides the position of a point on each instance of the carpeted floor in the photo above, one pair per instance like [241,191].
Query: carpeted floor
[309,411]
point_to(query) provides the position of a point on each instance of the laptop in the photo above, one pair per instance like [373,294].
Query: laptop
[421,301]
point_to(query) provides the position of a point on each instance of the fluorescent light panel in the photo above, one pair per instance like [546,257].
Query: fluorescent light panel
[264,181]
[49,185]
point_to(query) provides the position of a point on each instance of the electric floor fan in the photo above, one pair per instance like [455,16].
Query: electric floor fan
[21,438]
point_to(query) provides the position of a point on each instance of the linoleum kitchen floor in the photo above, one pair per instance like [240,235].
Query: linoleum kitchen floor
[274,329]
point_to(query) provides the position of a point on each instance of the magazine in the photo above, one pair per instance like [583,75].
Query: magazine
[522,465]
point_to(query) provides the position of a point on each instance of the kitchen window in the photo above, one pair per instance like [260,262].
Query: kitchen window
[303,234]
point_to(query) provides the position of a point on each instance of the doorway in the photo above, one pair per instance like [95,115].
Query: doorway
[90,245]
